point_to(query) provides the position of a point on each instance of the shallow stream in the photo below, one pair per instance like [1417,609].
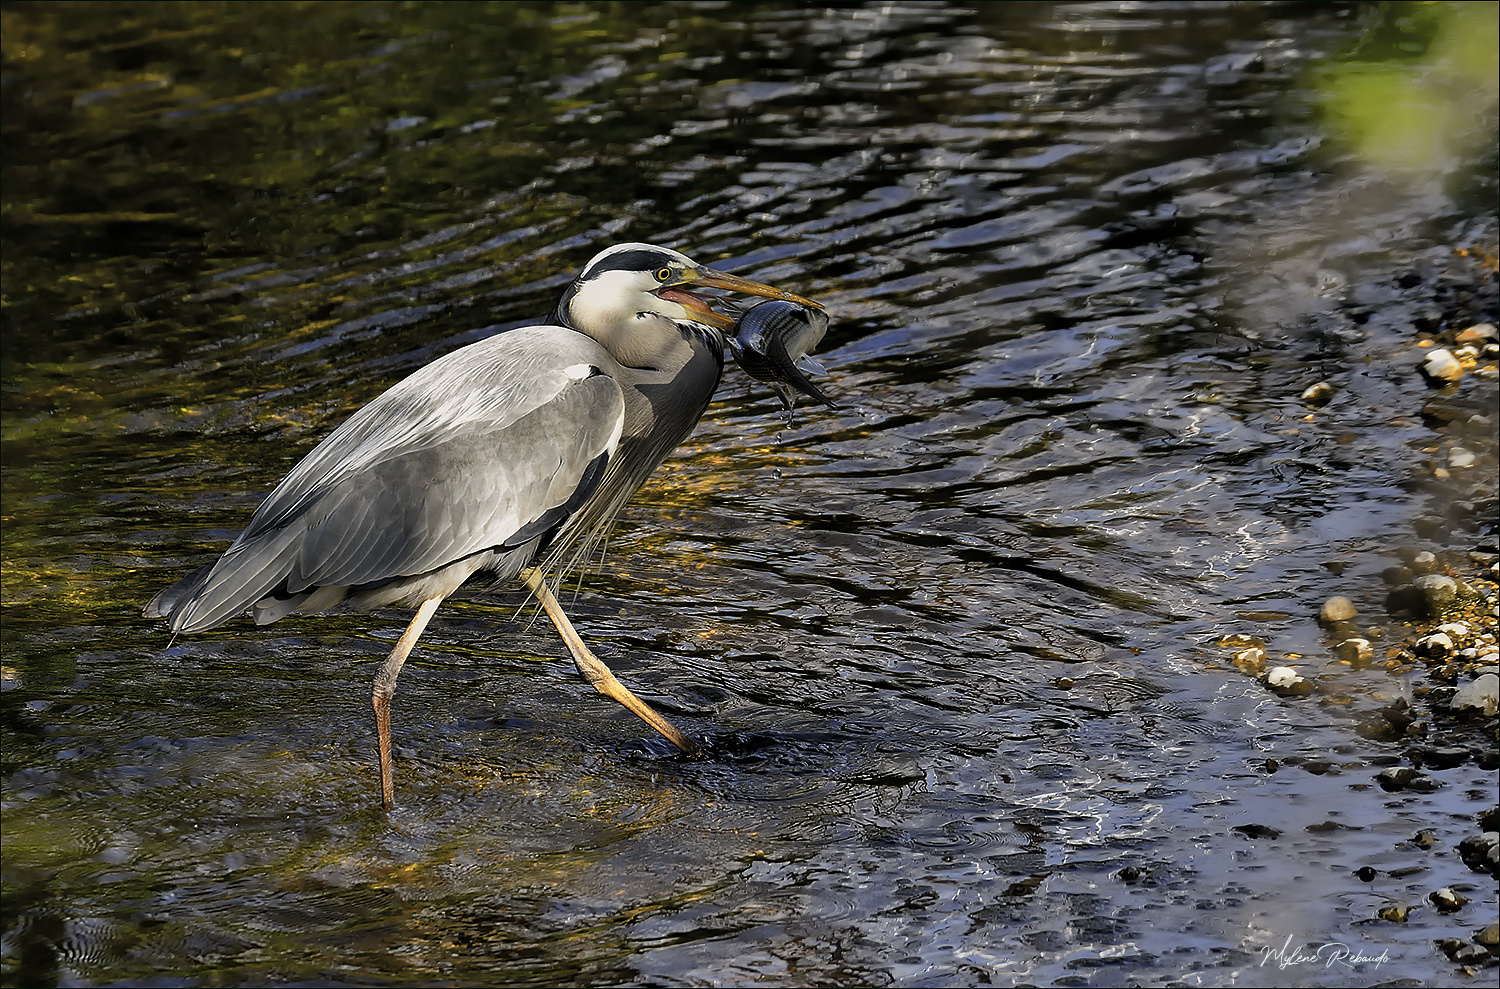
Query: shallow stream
[954,645]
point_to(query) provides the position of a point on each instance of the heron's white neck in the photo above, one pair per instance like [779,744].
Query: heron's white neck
[638,328]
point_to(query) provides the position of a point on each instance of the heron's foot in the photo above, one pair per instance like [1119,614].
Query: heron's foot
[596,673]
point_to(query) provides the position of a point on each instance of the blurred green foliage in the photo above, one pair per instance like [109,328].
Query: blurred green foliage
[1419,93]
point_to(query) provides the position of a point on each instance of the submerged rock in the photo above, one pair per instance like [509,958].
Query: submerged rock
[1447,900]
[1337,609]
[1356,652]
[1318,394]
[1287,682]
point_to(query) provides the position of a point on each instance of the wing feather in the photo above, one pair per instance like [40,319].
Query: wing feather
[486,449]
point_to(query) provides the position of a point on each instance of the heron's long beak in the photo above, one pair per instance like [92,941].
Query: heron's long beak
[709,278]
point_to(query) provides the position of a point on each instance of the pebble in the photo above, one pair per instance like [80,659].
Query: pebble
[1337,609]
[1319,393]
[1447,900]
[1457,631]
[1251,659]
[1481,852]
[1425,562]
[1440,756]
[1356,652]
[1396,778]
[1459,457]
[1464,954]
[1287,681]
[1396,912]
[1438,591]
[1434,646]
[1477,335]
[1406,778]
[1482,694]
[1441,366]
[1489,935]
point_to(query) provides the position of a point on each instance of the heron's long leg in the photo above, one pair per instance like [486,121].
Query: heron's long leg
[594,670]
[385,688]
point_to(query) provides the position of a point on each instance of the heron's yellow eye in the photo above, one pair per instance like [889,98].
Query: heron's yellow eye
[662,274]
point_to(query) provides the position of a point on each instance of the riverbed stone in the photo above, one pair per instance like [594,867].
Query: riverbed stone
[1440,756]
[1459,632]
[1441,367]
[1337,609]
[1469,954]
[1317,394]
[1459,457]
[1434,646]
[1396,575]
[1481,852]
[1481,694]
[1396,778]
[1287,682]
[1438,592]
[1447,900]
[1357,652]
[1477,335]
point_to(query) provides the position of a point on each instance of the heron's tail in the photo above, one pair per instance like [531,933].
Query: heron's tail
[166,603]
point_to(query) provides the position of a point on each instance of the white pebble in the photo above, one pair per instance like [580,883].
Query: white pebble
[1441,365]
[1456,631]
[1483,695]
[1479,333]
[1434,646]
[1281,676]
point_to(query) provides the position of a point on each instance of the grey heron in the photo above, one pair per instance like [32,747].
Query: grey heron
[507,458]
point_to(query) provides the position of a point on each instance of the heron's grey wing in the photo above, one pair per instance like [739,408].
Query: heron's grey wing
[489,384]
[487,448]
[480,488]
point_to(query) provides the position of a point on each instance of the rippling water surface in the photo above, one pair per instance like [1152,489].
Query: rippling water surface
[951,643]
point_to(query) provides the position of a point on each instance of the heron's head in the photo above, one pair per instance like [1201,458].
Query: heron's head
[628,296]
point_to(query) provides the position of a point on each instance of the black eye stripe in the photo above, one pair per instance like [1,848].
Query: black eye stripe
[632,261]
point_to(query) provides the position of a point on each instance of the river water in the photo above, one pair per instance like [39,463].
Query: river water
[954,645]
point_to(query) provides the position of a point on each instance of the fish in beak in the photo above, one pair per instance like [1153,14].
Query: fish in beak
[771,343]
